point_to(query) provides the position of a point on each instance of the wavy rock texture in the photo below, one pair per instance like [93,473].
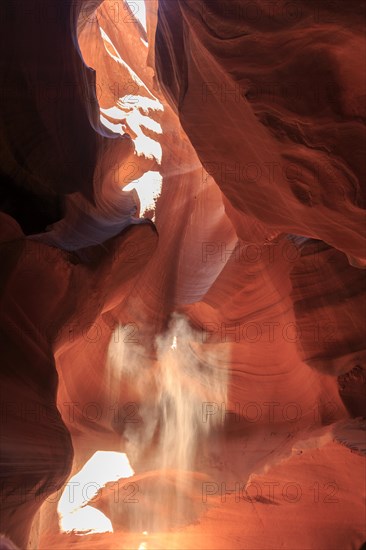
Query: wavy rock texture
[182,239]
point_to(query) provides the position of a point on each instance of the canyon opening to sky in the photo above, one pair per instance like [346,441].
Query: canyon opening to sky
[183,275]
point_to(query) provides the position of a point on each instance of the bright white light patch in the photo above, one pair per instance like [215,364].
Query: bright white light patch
[131,113]
[138,9]
[148,188]
[74,514]
[86,521]
[143,103]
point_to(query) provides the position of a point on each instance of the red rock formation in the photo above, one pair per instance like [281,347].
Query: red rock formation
[250,114]
[284,152]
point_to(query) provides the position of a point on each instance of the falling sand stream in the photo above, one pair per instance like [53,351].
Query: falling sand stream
[164,446]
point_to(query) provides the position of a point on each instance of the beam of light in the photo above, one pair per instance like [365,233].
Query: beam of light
[74,513]
[177,384]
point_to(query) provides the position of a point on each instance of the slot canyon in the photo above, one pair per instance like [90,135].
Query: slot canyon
[183,286]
